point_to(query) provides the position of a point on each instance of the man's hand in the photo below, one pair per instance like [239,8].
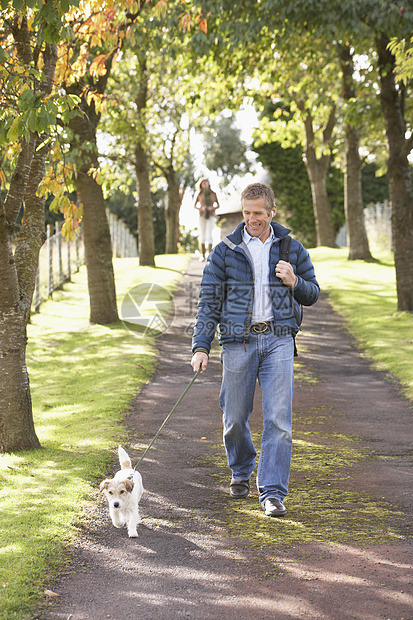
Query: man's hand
[199,359]
[285,272]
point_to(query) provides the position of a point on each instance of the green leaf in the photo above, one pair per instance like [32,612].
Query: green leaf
[54,205]
[73,101]
[51,33]
[26,99]
[31,120]
[44,143]
[15,130]
[67,34]
[66,117]
[42,124]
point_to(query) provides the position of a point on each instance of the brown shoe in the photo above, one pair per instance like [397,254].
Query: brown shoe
[238,489]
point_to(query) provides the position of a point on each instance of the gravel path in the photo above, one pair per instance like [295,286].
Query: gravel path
[187,562]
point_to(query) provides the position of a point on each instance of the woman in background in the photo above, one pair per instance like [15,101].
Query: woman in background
[206,202]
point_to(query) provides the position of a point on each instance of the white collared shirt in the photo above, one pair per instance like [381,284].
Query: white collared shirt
[260,252]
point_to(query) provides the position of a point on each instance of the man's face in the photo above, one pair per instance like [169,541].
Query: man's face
[256,217]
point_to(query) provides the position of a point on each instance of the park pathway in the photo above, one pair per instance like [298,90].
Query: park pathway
[186,563]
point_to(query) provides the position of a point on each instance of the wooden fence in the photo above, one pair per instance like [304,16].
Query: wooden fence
[59,259]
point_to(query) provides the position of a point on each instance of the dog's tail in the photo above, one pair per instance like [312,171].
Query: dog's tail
[124,460]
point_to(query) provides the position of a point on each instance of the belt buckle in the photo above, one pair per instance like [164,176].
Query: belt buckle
[260,328]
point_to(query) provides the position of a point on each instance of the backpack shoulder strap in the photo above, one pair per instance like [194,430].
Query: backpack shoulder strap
[285,244]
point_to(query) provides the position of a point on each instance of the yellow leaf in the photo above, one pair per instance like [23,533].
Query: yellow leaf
[98,65]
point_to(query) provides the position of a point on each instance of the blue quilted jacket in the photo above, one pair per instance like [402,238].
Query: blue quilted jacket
[227,290]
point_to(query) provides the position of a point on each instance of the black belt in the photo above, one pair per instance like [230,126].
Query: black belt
[262,327]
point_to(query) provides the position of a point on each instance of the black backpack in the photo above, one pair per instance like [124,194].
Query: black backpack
[285,244]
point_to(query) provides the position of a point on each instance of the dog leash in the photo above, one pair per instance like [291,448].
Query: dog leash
[167,417]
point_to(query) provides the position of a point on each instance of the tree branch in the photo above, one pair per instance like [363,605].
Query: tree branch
[408,146]
[161,167]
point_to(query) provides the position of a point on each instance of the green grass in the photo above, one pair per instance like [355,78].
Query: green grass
[365,293]
[321,480]
[82,379]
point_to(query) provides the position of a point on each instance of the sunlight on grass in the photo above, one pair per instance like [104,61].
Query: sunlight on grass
[365,293]
[82,379]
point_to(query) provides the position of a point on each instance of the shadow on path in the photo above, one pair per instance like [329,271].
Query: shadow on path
[185,564]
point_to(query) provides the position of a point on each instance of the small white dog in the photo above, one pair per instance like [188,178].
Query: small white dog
[123,493]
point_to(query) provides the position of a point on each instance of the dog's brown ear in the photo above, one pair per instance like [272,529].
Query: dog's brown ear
[129,485]
[104,485]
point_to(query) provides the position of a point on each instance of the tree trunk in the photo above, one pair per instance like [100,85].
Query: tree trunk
[17,428]
[172,214]
[146,243]
[98,251]
[16,418]
[95,227]
[399,175]
[18,272]
[317,173]
[32,232]
[357,242]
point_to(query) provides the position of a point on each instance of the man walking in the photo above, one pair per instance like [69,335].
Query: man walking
[254,298]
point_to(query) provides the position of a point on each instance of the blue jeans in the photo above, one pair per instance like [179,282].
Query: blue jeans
[270,359]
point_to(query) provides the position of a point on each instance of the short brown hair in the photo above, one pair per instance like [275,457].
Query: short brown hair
[259,190]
